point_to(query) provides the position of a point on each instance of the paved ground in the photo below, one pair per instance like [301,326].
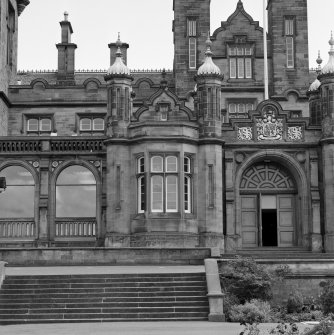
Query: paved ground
[67,270]
[131,328]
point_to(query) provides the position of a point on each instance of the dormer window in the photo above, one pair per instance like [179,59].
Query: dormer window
[240,61]
[163,109]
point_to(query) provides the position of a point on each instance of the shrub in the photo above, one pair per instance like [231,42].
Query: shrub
[326,298]
[295,302]
[286,329]
[246,280]
[325,327]
[229,301]
[255,311]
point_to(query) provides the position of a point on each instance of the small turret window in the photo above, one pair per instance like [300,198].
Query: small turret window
[289,32]
[91,125]
[39,125]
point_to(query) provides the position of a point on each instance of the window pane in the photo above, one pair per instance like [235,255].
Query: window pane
[192,53]
[85,124]
[141,195]
[171,194]
[248,51]
[289,52]
[249,107]
[186,164]
[157,164]
[191,27]
[98,124]
[248,64]
[232,51]
[241,71]
[45,125]
[33,125]
[17,175]
[17,202]
[233,68]
[76,174]
[240,51]
[241,108]
[187,195]
[232,108]
[157,193]
[76,201]
[171,164]
[141,165]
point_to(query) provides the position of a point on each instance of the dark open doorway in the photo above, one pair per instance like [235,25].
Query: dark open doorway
[269,228]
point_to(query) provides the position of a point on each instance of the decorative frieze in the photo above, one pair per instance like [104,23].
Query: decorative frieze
[295,133]
[269,127]
[245,134]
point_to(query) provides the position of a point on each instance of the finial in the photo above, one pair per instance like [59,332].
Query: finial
[331,43]
[65,16]
[319,61]
[119,42]
[118,45]
[163,82]
[208,43]
[240,5]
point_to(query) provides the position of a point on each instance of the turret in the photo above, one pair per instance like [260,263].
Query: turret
[119,82]
[313,94]
[66,54]
[326,78]
[209,80]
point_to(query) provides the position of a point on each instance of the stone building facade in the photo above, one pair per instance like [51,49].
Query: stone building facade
[190,158]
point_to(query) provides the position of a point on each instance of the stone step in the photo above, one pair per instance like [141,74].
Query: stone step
[122,304]
[102,299]
[133,315]
[136,276]
[39,299]
[104,310]
[18,286]
[12,321]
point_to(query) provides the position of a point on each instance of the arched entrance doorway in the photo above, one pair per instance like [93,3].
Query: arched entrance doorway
[268,206]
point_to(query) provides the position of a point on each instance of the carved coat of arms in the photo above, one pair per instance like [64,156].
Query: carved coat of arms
[269,128]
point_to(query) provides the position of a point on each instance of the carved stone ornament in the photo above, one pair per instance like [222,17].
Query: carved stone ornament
[269,128]
[295,133]
[245,134]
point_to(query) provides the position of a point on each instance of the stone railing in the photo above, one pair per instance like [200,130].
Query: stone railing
[68,227]
[76,145]
[17,229]
[27,145]
[20,146]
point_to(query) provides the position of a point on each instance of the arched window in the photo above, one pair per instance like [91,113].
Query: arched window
[18,199]
[76,193]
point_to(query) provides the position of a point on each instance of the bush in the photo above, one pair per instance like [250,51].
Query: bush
[326,298]
[245,279]
[255,311]
[295,302]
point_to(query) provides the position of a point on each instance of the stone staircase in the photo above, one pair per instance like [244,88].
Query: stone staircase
[103,298]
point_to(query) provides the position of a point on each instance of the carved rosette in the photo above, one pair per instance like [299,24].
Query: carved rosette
[295,133]
[245,134]
[269,127]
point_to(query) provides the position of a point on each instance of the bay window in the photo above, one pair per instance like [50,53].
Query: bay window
[164,183]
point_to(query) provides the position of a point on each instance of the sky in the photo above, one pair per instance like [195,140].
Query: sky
[146,25]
